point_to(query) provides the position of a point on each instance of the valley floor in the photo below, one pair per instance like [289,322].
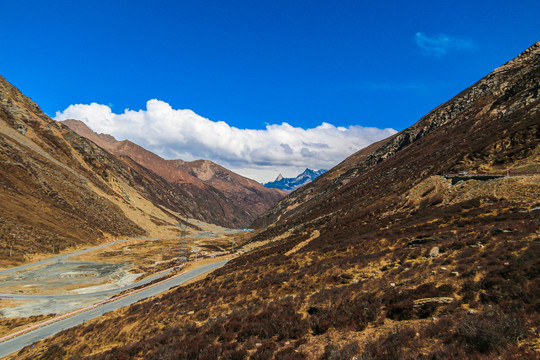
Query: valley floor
[32,293]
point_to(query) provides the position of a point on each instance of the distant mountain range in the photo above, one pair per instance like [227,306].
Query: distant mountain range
[291,184]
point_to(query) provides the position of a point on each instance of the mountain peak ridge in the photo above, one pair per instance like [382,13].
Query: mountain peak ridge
[291,184]
[241,199]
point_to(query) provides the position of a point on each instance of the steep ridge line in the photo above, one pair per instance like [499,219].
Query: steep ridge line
[480,101]
[232,200]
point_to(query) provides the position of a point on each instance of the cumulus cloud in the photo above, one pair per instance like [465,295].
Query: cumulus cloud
[440,44]
[258,154]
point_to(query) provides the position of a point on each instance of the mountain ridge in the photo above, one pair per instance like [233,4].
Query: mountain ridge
[232,199]
[492,86]
[59,190]
[291,184]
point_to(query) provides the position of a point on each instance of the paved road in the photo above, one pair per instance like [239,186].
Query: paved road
[12,345]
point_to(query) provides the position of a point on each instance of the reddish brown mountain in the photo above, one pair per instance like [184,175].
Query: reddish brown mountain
[60,190]
[232,200]
[238,189]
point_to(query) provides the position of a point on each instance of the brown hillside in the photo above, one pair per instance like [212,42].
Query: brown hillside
[384,259]
[59,190]
[217,195]
[491,125]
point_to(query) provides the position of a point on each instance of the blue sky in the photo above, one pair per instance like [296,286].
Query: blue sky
[254,64]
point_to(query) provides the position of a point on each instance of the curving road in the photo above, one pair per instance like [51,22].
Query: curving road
[14,344]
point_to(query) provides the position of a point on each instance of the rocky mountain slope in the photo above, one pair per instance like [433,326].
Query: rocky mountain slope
[219,195]
[290,184]
[59,190]
[487,127]
[248,193]
[382,257]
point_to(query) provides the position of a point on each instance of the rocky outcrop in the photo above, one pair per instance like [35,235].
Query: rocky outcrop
[486,97]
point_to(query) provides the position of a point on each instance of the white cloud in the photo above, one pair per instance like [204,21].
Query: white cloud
[259,154]
[440,44]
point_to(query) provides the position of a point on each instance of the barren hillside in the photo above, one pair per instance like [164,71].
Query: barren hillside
[59,190]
